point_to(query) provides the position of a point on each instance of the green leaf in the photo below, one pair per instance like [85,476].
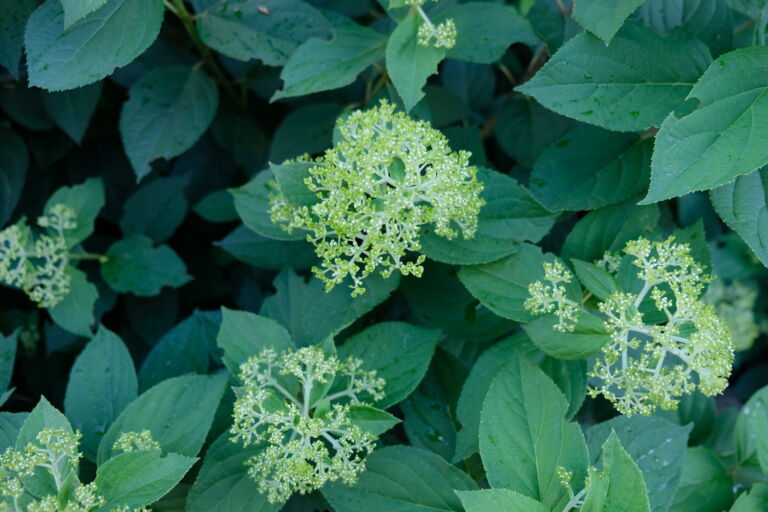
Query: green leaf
[711,21]
[14,161]
[72,109]
[657,445]
[75,313]
[626,489]
[223,483]
[311,314]
[244,31]
[371,419]
[10,423]
[476,388]
[92,47]
[510,215]
[755,500]
[178,412]
[87,199]
[717,141]
[155,209]
[409,64]
[751,8]
[322,65]
[499,500]
[746,431]
[502,286]
[604,17]
[705,485]
[571,378]
[595,279]
[139,478]
[399,353]
[135,266]
[586,340]
[571,175]
[168,110]
[101,384]
[402,479]
[74,10]
[609,229]
[13,18]
[218,206]
[742,205]
[250,247]
[485,31]
[630,85]
[524,437]
[184,349]
[244,334]
[252,205]
[8,345]
[290,177]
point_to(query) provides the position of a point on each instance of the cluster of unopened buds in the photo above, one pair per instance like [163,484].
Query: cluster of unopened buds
[56,452]
[387,178]
[297,406]
[37,264]
[664,340]
[442,35]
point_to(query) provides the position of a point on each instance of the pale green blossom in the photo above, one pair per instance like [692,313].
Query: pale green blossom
[735,303]
[551,297]
[296,406]
[38,263]
[376,188]
[135,441]
[442,35]
[649,364]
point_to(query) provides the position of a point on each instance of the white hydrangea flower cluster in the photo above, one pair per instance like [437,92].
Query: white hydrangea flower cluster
[38,264]
[297,406]
[551,298]
[651,364]
[388,177]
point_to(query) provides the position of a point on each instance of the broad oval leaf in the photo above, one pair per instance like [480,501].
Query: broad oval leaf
[168,110]
[90,49]
[402,479]
[101,384]
[499,500]
[629,85]
[722,137]
[178,412]
[322,65]
[399,353]
[524,437]
[243,334]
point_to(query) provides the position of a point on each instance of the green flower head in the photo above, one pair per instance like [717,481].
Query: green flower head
[376,188]
[664,340]
[38,264]
[297,406]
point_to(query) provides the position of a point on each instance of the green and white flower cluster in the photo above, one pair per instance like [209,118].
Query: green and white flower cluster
[442,35]
[37,264]
[56,451]
[664,340]
[297,405]
[376,188]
